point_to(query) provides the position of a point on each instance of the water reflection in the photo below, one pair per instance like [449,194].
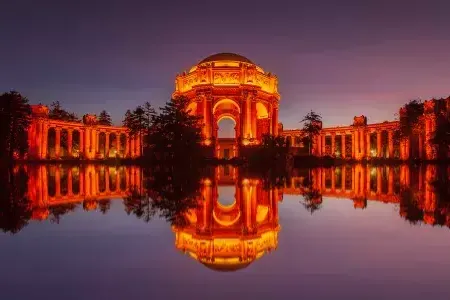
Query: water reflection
[223,218]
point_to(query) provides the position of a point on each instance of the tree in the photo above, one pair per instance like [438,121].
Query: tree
[139,122]
[58,113]
[410,119]
[441,136]
[176,135]
[104,118]
[15,118]
[312,124]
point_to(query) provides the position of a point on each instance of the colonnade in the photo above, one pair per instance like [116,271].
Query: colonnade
[88,134]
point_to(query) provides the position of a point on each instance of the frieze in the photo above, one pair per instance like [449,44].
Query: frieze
[226,78]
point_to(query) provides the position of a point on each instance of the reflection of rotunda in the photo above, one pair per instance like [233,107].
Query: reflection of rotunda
[230,86]
[228,237]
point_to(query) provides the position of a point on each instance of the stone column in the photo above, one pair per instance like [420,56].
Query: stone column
[343,178]
[87,143]
[127,145]
[132,147]
[343,145]
[333,179]
[391,143]
[362,144]
[253,119]
[368,145]
[275,120]
[324,148]
[58,141]
[107,144]
[118,145]
[356,133]
[44,141]
[353,144]
[333,144]
[138,145]
[379,147]
[69,141]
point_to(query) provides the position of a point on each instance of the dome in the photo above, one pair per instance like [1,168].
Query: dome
[226,57]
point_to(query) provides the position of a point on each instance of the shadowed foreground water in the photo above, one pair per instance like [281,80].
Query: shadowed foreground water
[349,232]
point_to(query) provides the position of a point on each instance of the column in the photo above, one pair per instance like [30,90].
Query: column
[362,143]
[333,144]
[253,120]
[107,144]
[356,133]
[58,142]
[353,144]
[324,149]
[107,180]
[391,144]
[368,145]
[343,170]
[343,145]
[333,179]
[44,141]
[379,147]
[275,120]
[118,145]
[127,145]
[206,118]
[132,147]
[82,152]
[87,143]
[69,141]
[138,145]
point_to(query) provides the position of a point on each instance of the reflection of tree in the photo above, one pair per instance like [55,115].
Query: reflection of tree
[312,198]
[104,205]
[57,211]
[15,207]
[410,205]
[169,192]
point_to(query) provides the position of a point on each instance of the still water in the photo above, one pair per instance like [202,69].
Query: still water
[97,232]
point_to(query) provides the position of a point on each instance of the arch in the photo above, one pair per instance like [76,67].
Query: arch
[227,103]
[261,111]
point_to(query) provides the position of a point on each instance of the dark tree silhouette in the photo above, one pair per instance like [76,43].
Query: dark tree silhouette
[175,135]
[312,124]
[58,113]
[15,207]
[104,118]
[15,114]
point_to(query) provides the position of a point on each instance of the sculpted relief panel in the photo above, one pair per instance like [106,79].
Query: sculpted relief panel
[226,78]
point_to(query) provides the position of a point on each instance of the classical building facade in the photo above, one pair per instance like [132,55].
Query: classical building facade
[361,140]
[228,85]
[81,139]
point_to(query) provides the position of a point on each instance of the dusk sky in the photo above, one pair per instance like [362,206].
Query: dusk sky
[339,58]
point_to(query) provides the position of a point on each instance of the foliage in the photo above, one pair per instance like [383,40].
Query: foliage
[15,118]
[139,122]
[175,135]
[312,198]
[15,207]
[58,113]
[104,118]
[312,124]
[410,121]
[441,136]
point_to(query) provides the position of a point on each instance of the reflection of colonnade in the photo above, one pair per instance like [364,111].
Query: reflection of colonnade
[228,237]
[82,139]
[55,185]
[386,184]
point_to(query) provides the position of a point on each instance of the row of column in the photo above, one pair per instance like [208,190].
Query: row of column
[361,145]
[88,141]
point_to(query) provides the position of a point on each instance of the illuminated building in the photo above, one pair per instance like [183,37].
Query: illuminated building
[228,85]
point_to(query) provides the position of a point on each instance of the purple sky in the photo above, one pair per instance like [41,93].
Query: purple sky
[339,58]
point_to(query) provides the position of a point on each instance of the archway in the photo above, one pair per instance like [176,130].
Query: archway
[226,133]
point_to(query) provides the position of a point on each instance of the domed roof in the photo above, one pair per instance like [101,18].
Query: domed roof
[226,56]
[226,267]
